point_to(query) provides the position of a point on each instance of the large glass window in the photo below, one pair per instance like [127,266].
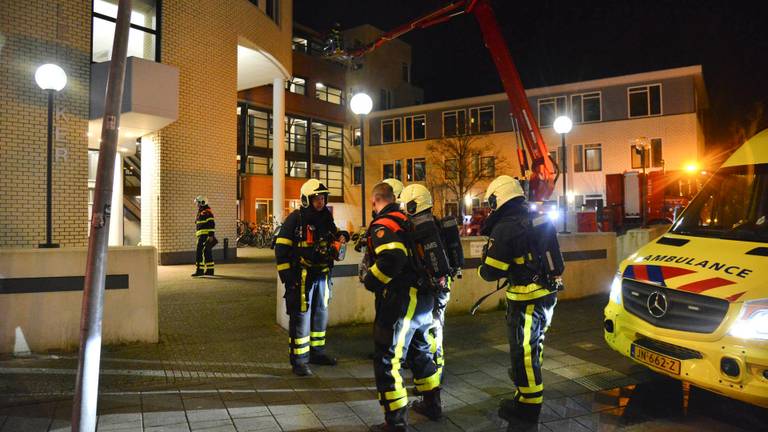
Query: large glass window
[481,120]
[327,140]
[142,36]
[259,129]
[329,94]
[585,107]
[454,123]
[416,169]
[451,169]
[271,8]
[391,130]
[330,176]
[356,175]
[578,158]
[393,169]
[488,166]
[644,100]
[296,134]
[656,153]
[550,108]
[732,205]
[296,85]
[593,157]
[357,136]
[416,127]
[259,165]
[653,155]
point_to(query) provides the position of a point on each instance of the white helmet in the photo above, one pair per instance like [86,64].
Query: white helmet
[201,200]
[311,188]
[415,199]
[502,189]
[397,187]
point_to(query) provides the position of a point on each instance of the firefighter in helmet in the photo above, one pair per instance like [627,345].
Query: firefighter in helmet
[306,247]
[397,187]
[205,228]
[523,250]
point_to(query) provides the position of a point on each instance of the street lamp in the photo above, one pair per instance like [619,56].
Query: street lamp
[562,126]
[361,104]
[51,78]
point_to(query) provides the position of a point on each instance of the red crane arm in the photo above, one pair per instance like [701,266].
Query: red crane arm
[542,175]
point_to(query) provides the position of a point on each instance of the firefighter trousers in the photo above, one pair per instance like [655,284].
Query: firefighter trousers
[435,333]
[307,307]
[527,322]
[203,254]
[403,319]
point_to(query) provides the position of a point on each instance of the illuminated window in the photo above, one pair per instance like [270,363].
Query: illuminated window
[142,35]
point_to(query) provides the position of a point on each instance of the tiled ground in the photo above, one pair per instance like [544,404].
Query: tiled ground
[221,366]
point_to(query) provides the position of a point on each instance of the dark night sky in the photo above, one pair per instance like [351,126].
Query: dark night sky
[556,42]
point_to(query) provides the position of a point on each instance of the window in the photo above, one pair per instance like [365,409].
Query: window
[259,165]
[481,120]
[644,100]
[393,169]
[300,44]
[578,158]
[406,70]
[356,175]
[329,94]
[653,156]
[416,127]
[358,137]
[416,169]
[296,168]
[451,169]
[550,108]
[142,36]
[585,107]
[593,157]
[271,8]
[391,130]
[296,85]
[327,140]
[488,166]
[385,99]
[330,175]
[454,123]
[259,129]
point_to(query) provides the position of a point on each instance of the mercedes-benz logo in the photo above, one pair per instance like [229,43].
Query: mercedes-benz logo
[657,304]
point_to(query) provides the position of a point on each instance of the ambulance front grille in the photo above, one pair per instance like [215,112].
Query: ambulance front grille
[684,311]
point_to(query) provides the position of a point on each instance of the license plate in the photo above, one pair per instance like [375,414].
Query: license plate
[656,360]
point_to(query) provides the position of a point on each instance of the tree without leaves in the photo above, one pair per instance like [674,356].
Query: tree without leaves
[457,165]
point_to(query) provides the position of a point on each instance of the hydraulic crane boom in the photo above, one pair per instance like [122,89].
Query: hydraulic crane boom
[542,173]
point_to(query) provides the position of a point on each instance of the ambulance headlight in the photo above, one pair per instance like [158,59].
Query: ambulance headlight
[553,215]
[616,289]
[753,321]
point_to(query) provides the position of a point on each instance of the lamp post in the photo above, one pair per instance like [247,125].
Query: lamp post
[562,126]
[51,78]
[361,104]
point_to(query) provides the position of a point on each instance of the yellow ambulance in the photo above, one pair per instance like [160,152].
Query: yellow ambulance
[693,304]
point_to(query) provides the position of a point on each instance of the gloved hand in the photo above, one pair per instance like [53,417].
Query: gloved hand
[343,236]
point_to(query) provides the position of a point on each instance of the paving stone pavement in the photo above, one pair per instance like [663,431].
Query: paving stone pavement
[221,365]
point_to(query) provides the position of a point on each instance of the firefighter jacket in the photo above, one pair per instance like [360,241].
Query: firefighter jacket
[390,268]
[205,224]
[305,242]
[509,253]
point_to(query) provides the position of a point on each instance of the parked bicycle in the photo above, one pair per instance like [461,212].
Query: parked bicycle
[246,234]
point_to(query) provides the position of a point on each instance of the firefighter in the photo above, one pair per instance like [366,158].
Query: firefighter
[397,187]
[205,233]
[403,312]
[305,249]
[417,203]
[518,249]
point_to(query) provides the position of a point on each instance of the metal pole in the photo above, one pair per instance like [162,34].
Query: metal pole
[362,166]
[49,180]
[643,185]
[564,170]
[87,386]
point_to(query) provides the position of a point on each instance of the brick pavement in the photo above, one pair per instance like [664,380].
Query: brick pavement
[221,365]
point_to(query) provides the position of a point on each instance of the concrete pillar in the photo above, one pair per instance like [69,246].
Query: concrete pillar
[148,200]
[116,221]
[278,148]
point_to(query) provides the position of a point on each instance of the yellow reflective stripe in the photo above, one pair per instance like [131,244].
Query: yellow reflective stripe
[519,260]
[205,221]
[379,275]
[303,290]
[298,351]
[285,241]
[315,343]
[428,383]
[300,341]
[304,244]
[401,338]
[391,246]
[432,341]
[283,266]
[534,400]
[317,334]
[530,376]
[396,405]
[200,232]
[535,388]
[529,296]
[524,289]
[493,262]
[394,394]
[327,292]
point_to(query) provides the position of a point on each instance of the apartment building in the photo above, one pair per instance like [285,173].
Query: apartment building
[663,107]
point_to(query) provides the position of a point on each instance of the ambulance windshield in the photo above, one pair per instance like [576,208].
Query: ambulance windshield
[733,205]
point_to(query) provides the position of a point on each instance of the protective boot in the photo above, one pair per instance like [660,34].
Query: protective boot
[198,272]
[394,421]
[322,359]
[209,272]
[430,405]
[512,409]
[301,369]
